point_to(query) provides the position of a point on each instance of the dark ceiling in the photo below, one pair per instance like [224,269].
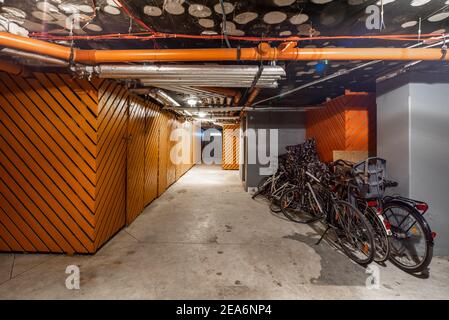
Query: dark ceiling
[261,18]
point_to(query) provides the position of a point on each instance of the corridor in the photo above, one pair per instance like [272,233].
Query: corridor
[205,238]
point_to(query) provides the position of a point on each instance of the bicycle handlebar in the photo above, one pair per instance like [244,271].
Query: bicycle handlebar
[346,163]
[391,184]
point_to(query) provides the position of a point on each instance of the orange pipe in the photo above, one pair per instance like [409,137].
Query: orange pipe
[253,95]
[226,92]
[262,53]
[11,68]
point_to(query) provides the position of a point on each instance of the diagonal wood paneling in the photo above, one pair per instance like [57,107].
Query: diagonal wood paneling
[171,167]
[231,148]
[48,167]
[344,124]
[136,159]
[78,161]
[163,153]
[111,160]
[152,125]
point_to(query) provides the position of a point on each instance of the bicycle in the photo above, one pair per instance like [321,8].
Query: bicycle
[273,188]
[351,189]
[353,231]
[411,240]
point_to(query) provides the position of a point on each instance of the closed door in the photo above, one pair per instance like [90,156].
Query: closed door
[151,153]
[135,159]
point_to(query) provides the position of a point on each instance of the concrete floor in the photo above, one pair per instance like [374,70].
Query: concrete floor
[206,239]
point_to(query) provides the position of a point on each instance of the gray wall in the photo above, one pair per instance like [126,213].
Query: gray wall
[429,150]
[413,135]
[393,134]
[291,130]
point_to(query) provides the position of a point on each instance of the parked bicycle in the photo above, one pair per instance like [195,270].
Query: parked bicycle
[353,231]
[349,188]
[399,219]
[273,188]
[350,199]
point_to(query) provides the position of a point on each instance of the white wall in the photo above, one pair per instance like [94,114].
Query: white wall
[393,142]
[429,150]
[413,135]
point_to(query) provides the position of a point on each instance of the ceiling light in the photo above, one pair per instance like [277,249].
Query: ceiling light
[192,102]
[168,98]
[188,113]
[201,114]
[418,3]
[274,17]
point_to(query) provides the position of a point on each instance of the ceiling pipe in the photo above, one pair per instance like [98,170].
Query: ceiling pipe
[264,52]
[237,95]
[210,82]
[231,75]
[13,68]
[234,109]
[345,72]
[252,96]
[133,71]
[35,57]
[212,109]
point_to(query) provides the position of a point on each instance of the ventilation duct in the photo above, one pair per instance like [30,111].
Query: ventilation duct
[190,75]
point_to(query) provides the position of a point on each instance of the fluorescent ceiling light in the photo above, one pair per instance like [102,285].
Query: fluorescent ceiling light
[168,98]
[192,102]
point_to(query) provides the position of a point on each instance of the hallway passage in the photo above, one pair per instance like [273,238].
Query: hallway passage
[205,238]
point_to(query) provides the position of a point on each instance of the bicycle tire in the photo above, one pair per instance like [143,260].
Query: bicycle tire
[381,238]
[274,206]
[417,216]
[298,215]
[368,249]
[261,187]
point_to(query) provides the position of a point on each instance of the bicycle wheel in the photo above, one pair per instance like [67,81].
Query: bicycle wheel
[411,243]
[293,205]
[262,186]
[381,238]
[274,205]
[355,234]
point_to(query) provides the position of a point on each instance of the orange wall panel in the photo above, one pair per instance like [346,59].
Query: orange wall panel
[78,160]
[346,123]
[110,212]
[231,148]
[48,138]
[153,122]
[136,159]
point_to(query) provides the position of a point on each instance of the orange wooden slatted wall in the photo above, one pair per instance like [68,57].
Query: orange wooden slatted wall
[231,148]
[78,161]
[347,123]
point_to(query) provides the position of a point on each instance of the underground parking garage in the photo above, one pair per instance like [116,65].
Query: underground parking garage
[224,150]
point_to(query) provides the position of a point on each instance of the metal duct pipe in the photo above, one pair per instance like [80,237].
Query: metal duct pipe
[239,84]
[211,109]
[188,90]
[149,71]
[226,92]
[167,98]
[194,77]
[12,68]
[33,56]
[221,118]
[264,52]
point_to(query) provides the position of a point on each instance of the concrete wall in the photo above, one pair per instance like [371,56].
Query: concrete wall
[413,135]
[393,134]
[291,130]
[429,150]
